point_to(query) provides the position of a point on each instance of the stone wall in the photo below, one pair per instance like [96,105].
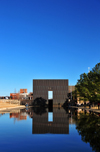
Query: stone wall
[10,101]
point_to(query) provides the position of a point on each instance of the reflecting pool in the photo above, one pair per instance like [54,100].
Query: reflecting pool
[35,129]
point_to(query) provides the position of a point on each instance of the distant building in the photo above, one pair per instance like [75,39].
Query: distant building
[71,89]
[4,97]
[30,96]
[21,95]
[14,95]
[23,90]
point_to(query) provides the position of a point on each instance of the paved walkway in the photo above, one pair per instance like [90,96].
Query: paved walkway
[7,106]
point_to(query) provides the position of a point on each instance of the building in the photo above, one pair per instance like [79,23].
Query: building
[71,89]
[4,97]
[23,90]
[54,89]
[14,95]
[23,94]
[30,96]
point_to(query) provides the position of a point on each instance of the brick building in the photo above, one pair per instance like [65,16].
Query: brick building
[21,95]
[23,90]
[14,95]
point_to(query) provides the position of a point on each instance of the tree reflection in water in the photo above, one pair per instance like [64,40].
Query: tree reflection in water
[39,110]
[88,126]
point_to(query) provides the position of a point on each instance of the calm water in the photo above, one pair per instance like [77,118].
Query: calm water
[37,130]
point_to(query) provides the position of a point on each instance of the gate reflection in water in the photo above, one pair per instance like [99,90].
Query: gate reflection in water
[50,116]
[56,123]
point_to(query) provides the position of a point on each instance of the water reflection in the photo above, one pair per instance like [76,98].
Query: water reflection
[50,116]
[33,129]
[58,122]
[19,116]
[43,121]
[38,110]
[59,125]
[88,126]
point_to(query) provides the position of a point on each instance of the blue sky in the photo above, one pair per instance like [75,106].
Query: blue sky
[47,39]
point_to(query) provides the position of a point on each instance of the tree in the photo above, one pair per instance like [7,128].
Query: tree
[88,86]
[82,87]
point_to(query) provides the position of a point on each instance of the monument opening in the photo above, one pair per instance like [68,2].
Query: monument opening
[50,95]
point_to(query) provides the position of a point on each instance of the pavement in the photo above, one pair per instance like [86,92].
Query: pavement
[6,106]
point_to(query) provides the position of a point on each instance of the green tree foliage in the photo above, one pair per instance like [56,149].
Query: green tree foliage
[88,86]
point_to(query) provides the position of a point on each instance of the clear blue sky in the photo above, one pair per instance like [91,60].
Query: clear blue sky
[47,39]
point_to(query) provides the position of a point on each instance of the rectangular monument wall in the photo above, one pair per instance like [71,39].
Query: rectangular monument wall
[59,88]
